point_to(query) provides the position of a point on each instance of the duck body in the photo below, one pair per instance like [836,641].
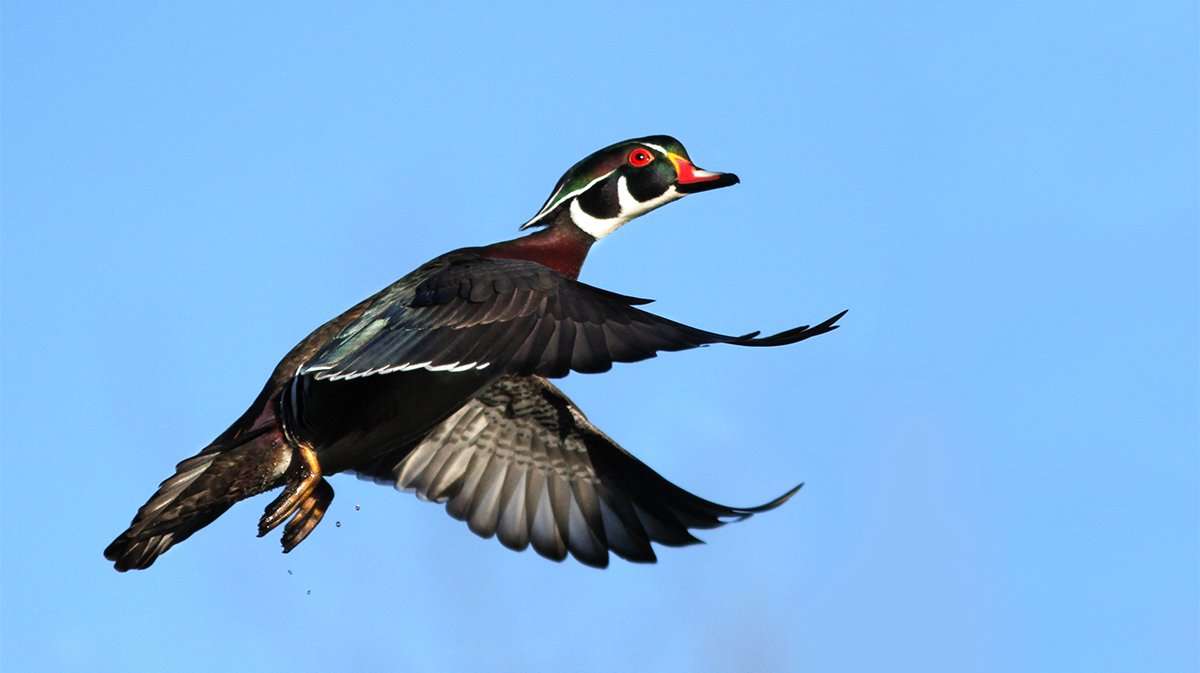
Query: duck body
[438,384]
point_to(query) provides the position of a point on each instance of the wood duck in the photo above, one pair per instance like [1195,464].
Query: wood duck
[438,385]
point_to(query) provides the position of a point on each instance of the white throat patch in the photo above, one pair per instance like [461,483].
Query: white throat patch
[630,208]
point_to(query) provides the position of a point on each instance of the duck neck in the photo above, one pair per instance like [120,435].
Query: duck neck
[562,246]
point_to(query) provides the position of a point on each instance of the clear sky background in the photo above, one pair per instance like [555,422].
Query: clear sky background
[1000,444]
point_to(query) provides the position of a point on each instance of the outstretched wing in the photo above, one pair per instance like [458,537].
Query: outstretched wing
[521,462]
[517,317]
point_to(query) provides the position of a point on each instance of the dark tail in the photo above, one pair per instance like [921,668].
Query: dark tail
[202,489]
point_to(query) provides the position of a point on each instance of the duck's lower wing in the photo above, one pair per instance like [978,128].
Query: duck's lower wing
[520,461]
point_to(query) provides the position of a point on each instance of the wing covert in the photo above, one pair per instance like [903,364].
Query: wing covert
[518,317]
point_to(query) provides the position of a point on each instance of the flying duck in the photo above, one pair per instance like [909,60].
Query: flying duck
[438,384]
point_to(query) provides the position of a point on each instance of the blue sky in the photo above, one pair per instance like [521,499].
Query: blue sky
[1000,445]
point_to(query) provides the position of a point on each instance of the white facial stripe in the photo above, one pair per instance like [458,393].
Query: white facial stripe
[660,148]
[630,208]
[555,202]
[552,200]
[596,227]
[628,203]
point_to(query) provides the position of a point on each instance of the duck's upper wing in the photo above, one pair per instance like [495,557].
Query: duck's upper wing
[466,311]
[522,462]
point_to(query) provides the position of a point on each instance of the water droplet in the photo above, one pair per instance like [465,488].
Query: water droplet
[338,524]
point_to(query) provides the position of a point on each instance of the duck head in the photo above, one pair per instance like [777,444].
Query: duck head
[625,180]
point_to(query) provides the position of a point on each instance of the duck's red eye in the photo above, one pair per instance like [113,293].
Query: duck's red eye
[640,157]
